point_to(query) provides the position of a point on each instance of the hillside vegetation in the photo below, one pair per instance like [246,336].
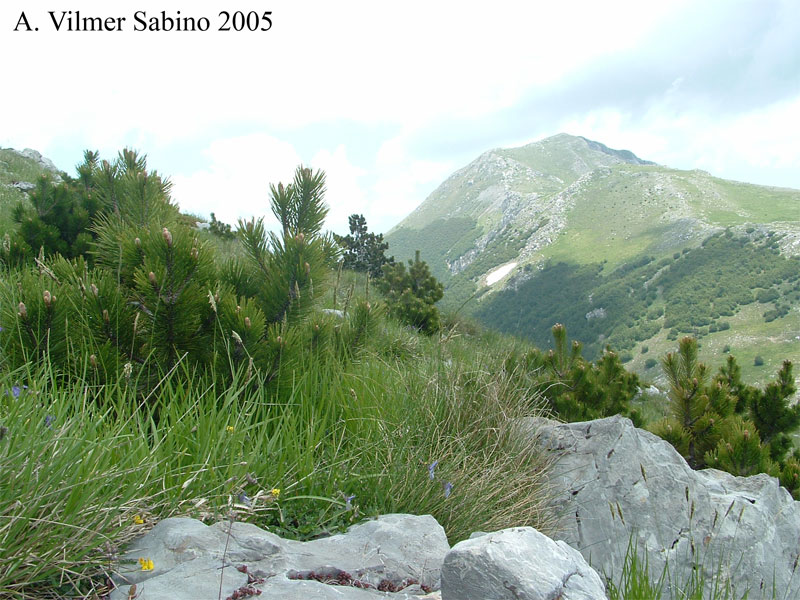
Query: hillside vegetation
[164,374]
[619,249]
[16,168]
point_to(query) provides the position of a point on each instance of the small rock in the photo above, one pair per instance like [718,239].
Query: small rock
[518,564]
[23,186]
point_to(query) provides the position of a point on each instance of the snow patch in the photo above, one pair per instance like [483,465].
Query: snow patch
[499,273]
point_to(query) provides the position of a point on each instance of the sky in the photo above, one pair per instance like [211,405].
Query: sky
[391,98]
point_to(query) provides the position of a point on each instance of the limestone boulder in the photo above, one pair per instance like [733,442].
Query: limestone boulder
[398,554]
[617,484]
[518,564]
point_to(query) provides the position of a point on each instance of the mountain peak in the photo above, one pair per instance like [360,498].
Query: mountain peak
[578,143]
[518,205]
[625,155]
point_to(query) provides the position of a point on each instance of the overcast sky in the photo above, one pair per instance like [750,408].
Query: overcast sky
[389,98]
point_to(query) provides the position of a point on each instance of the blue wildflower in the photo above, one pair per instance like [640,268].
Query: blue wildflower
[48,421]
[244,499]
[347,502]
[431,467]
[448,487]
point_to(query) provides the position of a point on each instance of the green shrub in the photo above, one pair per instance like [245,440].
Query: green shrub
[726,424]
[767,295]
[156,296]
[575,389]
[220,229]
[698,409]
[363,250]
[411,295]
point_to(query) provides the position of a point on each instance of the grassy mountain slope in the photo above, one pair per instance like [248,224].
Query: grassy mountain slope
[592,237]
[15,168]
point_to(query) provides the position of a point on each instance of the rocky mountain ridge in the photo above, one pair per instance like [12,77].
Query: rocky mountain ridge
[500,223]
[531,192]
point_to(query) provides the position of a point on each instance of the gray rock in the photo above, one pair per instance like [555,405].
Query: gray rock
[42,161]
[196,579]
[621,484]
[188,559]
[518,564]
[393,547]
[24,186]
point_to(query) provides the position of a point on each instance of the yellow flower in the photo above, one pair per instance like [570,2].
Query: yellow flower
[229,429]
[275,492]
[147,564]
[138,520]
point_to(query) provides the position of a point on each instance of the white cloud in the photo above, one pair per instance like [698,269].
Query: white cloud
[345,195]
[428,69]
[766,137]
[364,60]
[236,183]
[402,182]
[732,146]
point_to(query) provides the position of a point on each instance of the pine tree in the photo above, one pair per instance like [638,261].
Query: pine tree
[220,229]
[363,251]
[698,409]
[289,266]
[57,220]
[740,451]
[131,192]
[61,219]
[412,294]
[769,409]
[725,423]
[773,415]
[578,390]
[731,374]
[790,476]
[155,296]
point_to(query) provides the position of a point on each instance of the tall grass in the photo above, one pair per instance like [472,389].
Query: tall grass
[337,436]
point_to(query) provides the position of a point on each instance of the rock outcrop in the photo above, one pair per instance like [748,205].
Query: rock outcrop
[42,161]
[44,164]
[395,552]
[518,563]
[621,484]
[401,557]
